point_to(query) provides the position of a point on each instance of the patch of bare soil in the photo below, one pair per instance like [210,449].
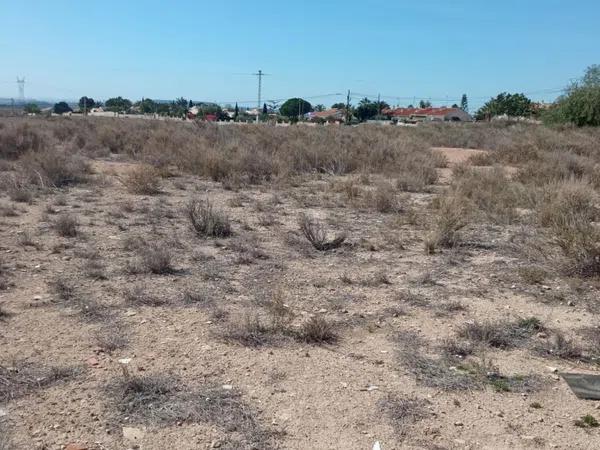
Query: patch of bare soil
[124,326]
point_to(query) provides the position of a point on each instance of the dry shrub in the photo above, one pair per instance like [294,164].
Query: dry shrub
[143,180]
[139,296]
[403,412]
[315,233]
[53,168]
[481,159]
[532,274]
[452,216]
[18,138]
[164,400]
[383,199]
[23,378]
[207,221]
[558,346]
[491,192]
[568,198]
[66,225]
[317,330]
[579,241]
[502,334]
[155,257]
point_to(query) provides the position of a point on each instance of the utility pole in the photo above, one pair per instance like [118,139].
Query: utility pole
[348,108]
[259,75]
[21,84]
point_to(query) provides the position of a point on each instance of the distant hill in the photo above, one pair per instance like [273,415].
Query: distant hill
[41,103]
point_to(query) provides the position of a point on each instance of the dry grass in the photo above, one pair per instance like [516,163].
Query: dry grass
[315,233]
[503,335]
[452,216]
[207,221]
[143,180]
[317,330]
[22,378]
[558,346]
[154,257]
[66,225]
[403,412]
[162,400]
[139,296]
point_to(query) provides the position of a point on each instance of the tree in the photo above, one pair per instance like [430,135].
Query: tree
[118,104]
[368,109]
[236,112]
[295,107]
[464,103]
[320,108]
[32,108]
[591,77]
[424,104]
[86,103]
[190,104]
[511,105]
[338,106]
[147,106]
[265,110]
[61,108]
[581,104]
[179,107]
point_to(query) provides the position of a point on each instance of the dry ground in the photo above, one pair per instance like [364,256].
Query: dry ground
[122,326]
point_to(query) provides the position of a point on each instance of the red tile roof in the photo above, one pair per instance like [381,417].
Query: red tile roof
[407,112]
[327,113]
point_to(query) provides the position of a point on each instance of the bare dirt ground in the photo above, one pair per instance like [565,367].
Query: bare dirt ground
[376,289]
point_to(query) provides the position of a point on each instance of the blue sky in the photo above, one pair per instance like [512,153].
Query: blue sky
[201,49]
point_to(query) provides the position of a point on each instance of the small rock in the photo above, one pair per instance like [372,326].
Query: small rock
[130,313]
[76,446]
[570,303]
[376,446]
[3,412]
[37,298]
[215,444]
[133,434]
[92,362]
[227,387]
[553,369]
[458,424]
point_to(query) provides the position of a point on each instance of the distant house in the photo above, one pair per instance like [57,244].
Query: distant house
[415,115]
[332,114]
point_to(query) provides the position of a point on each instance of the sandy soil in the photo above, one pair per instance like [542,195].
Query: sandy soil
[310,396]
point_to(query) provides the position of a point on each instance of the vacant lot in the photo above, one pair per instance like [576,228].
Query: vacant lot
[173,285]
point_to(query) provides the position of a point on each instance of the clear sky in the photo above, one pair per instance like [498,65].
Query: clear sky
[201,50]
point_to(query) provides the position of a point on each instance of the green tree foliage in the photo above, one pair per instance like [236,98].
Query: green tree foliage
[179,108]
[86,103]
[236,112]
[32,108]
[147,106]
[265,110]
[61,108]
[368,109]
[581,104]
[319,108]
[512,105]
[118,104]
[464,103]
[295,107]
[338,106]
[592,76]
[424,104]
